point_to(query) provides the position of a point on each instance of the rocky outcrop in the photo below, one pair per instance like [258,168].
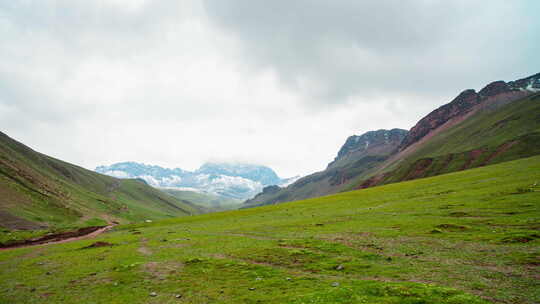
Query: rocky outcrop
[531,83]
[495,88]
[380,142]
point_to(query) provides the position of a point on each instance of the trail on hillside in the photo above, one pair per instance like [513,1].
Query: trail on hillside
[58,238]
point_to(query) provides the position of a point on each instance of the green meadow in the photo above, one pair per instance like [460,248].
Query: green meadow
[465,237]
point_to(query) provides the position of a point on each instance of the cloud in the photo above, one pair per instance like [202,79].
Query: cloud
[280,83]
[343,48]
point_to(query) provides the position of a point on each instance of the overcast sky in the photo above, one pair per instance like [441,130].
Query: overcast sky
[279,83]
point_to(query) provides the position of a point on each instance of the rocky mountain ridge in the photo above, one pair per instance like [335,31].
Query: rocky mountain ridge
[467,100]
[229,180]
[370,143]
[358,154]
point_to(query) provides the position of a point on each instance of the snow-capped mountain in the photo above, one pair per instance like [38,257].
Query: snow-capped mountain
[238,181]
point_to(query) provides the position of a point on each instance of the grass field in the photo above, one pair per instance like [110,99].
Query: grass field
[465,237]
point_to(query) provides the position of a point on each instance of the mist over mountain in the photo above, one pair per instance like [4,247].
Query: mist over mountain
[230,180]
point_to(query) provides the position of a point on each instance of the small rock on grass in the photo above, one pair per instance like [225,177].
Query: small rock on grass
[340,267]
[252,288]
[153,294]
[178,296]
[335,284]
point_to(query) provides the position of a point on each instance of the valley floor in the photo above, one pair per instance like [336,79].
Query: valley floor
[465,237]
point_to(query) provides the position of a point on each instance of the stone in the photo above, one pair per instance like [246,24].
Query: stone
[153,294]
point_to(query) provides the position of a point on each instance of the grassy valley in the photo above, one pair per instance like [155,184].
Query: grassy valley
[205,200]
[465,237]
[183,152]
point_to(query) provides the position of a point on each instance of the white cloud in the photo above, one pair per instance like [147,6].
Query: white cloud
[175,83]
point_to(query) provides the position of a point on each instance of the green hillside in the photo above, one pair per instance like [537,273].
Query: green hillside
[465,237]
[206,200]
[40,192]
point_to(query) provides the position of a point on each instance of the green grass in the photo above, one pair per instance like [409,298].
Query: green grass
[465,237]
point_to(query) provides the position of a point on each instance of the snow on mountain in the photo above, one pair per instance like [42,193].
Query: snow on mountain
[231,180]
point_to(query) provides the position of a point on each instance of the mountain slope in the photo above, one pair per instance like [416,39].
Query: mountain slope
[38,191]
[501,122]
[501,127]
[209,201]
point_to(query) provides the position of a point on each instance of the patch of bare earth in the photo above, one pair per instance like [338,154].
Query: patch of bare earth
[58,238]
[144,250]
[500,150]
[161,270]
[419,169]
[473,156]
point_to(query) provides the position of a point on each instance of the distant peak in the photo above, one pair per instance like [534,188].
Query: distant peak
[378,142]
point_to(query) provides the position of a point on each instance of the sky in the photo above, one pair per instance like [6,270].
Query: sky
[278,83]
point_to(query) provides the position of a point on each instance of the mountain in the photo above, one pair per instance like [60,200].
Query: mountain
[226,180]
[357,155]
[38,191]
[500,122]
[381,142]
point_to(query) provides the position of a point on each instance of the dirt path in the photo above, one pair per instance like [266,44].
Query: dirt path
[59,238]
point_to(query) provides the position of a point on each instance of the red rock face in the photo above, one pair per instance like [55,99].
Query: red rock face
[463,103]
[495,88]
[380,142]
